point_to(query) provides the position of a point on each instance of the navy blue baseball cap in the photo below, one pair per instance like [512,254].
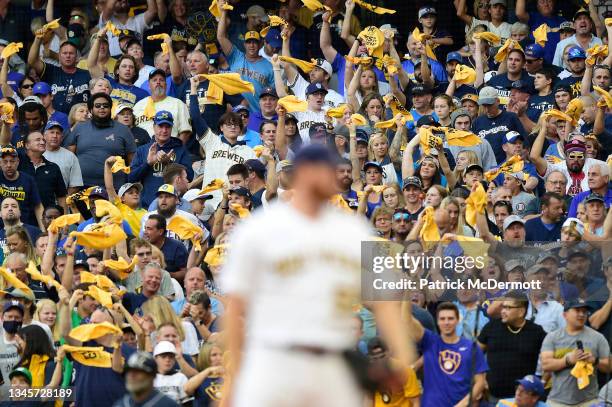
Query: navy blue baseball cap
[41,88]
[362,136]
[372,164]
[523,86]
[99,192]
[52,123]
[314,154]
[314,88]
[256,166]
[534,51]
[576,303]
[163,117]
[273,37]
[240,108]
[576,52]
[454,56]
[533,384]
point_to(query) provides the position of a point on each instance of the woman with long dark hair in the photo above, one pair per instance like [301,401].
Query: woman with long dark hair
[38,356]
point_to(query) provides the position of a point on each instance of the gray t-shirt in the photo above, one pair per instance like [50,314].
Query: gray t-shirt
[94,145]
[565,387]
[68,164]
[8,359]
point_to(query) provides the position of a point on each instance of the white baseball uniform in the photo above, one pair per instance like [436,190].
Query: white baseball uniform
[299,278]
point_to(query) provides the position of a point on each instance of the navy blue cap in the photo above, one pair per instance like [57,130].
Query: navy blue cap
[317,130]
[242,191]
[314,154]
[576,52]
[532,384]
[157,72]
[256,166]
[534,51]
[41,88]
[240,108]
[273,37]
[427,120]
[576,303]
[512,136]
[362,136]
[314,88]
[523,86]
[99,192]
[163,117]
[12,304]
[594,197]
[289,116]
[52,123]
[268,92]
[373,164]
[454,56]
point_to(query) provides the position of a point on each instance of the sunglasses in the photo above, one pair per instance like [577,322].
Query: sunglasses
[575,156]
[27,86]
[399,216]
[102,105]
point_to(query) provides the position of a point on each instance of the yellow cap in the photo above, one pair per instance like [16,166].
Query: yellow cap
[166,188]
[252,35]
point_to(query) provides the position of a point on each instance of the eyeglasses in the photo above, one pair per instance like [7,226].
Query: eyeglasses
[244,115]
[102,105]
[27,86]
[231,125]
[575,156]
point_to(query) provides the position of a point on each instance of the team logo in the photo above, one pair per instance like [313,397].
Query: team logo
[449,361]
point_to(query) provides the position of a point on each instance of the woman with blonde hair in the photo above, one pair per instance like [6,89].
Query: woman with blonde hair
[434,196]
[382,220]
[100,85]
[206,385]
[18,241]
[46,313]
[393,197]
[456,214]
[78,113]
[464,159]
[378,152]
[359,84]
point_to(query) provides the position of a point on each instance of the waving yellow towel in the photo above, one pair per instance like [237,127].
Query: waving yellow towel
[121,266]
[11,49]
[464,75]
[94,356]
[373,8]
[541,35]
[119,165]
[186,230]
[162,37]
[293,104]
[475,204]
[491,38]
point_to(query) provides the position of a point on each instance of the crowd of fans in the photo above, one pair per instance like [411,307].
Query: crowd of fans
[135,140]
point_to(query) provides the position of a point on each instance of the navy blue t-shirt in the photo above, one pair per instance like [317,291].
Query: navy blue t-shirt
[494,130]
[539,104]
[67,89]
[502,84]
[175,254]
[208,391]
[133,301]
[574,82]
[25,191]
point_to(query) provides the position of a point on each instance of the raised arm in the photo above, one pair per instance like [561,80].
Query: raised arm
[599,24]
[108,10]
[325,39]
[271,178]
[608,60]
[46,263]
[535,155]
[346,35]
[521,11]
[108,179]
[68,274]
[387,314]
[585,86]
[7,91]
[176,70]
[414,325]
[291,71]
[162,10]
[407,160]
[151,12]
[200,127]
[600,117]
[226,44]
[425,68]
[479,63]
[34,60]
[353,86]
[92,58]
[462,13]
[398,139]
[356,169]
[5,134]
[445,166]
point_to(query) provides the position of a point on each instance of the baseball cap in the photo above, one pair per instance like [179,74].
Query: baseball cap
[487,96]
[575,303]
[420,89]
[566,26]
[121,107]
[581,11]
[534,51]
[12,304]
[314,154]
[163,117]
[574,145]
[157,72]
[74,31]
[317,130]
[513,219]
[81,263]
[532,384]
[166,189]
[502,2]
[314,88]
[125,187]
[342,131]
[372,164]
[273,37]
[471,167]
[125,33]
[241,191]
[575,223]
[164,347]
[512,136]
[423,11]
[8,150]
[593,197]
[41,88]
[52,123]
[454,56]
[268,92]
[284,165]
[140,360]
[289,116]
[427,120]
[32,99]
[576,52]
[252,36]
[514,263]
[257,11]
[240,108]
[256,166]
[362,136]
[562,88]
[21,371]
[470,96]
[99,192]
[324,65]
[194,194]
[414,181]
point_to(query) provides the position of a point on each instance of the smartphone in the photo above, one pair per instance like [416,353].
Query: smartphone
[579,345]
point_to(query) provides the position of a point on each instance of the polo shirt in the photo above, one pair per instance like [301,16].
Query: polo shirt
[49,179]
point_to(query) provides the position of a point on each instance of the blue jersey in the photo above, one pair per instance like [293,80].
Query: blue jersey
[502,84]
[68,88]
[126,94]
[209,391]
[259,73]
[538,104]
[448,368]
[494,130]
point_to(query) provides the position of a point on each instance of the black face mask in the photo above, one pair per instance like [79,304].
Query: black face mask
[101,121]
[11,327]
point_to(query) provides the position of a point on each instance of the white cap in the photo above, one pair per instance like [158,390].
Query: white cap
[194,194]
[164,347]
[124,188]
[324,65]
[577,223]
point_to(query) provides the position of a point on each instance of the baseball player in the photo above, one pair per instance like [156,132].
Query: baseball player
[293,272]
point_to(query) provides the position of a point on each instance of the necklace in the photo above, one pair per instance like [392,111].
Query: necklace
[517,331]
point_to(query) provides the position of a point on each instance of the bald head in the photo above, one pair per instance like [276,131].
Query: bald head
[194,280]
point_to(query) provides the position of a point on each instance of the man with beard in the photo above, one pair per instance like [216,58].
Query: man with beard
[547,226]
[11,216]
[344,180]
[401,224]
[118,13]
[160,102]
[575,167]
[155,232]
[94,140]
[574,72]
[583,37]
[153,158]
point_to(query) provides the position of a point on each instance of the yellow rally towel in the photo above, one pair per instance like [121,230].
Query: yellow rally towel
[387,64]
[37,368]
[12,280]
[338,201]
[541,35]
[475,204]
[491,38]
[6,112]
[514,164]
[508,46]
[338,111]
[38,276]
[474,247]
[162,37]
[396,107]
[94,356]
[121,266]
[52,25]
[391,123]
[365,61]
[102,236]
[214,8]
[103,297]
[461,138]
[464,75]
[88,332]
[416,33]
[79,196]
[375,9]
[110,27]
[581,371]
[358,119]
[186,230]
[373,39]
[213,185]
[429,232]
[11,49]
[275,21]
[258,150]
[230,83]
[63,221]
[560,116]
[315,5]
[303,65]
[104,207]
[575,108]
[99,280]
[598,51]
[215,256]
[239,210]
[119,165]
[608,21]
[149,110]
[428,140]
[292,103]
[605,96]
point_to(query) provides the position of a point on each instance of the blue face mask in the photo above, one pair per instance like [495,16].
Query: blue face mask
[11,327]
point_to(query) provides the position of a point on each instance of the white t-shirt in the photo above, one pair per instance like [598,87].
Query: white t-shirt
[332,99]
[143,75]
[300,285]
[171,385]
[136,24]
[177,107]
[307,119]
[68,164]
[389,174]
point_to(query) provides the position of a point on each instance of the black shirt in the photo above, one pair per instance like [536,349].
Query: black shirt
[510,356]
[48,177]
[141,137]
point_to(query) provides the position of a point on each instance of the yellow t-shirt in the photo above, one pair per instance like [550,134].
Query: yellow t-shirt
[132,216]
[412,389]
